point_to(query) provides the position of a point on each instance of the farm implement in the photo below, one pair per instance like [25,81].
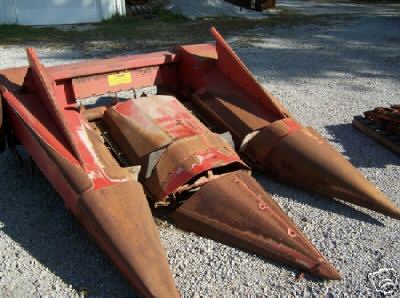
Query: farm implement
[190,146]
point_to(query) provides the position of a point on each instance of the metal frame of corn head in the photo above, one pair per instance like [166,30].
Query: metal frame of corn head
[103,159]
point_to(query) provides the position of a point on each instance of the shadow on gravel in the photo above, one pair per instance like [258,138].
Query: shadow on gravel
[364,46]
[361,150]
[34,216]
[361,45]
[314,200]
[164,215]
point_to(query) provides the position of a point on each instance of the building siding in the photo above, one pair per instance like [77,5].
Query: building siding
[56,12]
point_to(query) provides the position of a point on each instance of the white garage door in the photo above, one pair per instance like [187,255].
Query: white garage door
[53,12]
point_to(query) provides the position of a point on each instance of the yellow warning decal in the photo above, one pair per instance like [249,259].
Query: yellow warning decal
[119,78]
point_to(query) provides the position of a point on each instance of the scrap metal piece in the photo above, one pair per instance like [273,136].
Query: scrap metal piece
[390,139]
[387,118]
[234,209]
[382,125]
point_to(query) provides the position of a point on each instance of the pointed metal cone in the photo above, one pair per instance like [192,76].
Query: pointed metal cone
[119,219]
[304,158]
[234,209]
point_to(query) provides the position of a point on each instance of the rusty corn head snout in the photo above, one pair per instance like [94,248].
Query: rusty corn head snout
[229,98]
[235,210]
[304,158]
[123,227]
[199,168]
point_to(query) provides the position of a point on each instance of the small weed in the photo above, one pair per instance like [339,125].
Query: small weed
[169,16]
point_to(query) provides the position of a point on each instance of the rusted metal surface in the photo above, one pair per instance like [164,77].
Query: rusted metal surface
[228,97]
[158,121]
[390,141]
[203,166]
[124,228]
[93,113]
[259,144]
[125,126]
[110,66]
[387,118]
[170,144]
[254,223]
[93,156]
[13,78]
[104,196]
[187,158]
[232,113]
[304,158]
[105,83]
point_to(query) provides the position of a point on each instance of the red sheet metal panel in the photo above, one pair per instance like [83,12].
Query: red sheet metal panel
[162,122]
[187,158]
[29,130]
[100,66]
[73,125]
[231,65]
[104,196]
[171,116]
[123,80]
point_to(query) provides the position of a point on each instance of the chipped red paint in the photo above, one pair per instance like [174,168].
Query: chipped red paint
[112,65]
[164,117]
[98,84]
[209,159]
[168,114]
[226,94]
[291,124]
[104,197]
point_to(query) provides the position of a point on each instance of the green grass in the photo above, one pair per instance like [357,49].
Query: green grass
[161,29]
[168,16]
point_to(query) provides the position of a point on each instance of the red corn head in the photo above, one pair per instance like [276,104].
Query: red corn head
[229,98]
[91,155]
[105,197]
[182,159]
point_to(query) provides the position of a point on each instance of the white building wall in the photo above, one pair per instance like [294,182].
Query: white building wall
[56,12]
[7,12]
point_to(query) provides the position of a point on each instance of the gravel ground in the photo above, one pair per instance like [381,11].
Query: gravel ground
[325,75]
[206,8]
